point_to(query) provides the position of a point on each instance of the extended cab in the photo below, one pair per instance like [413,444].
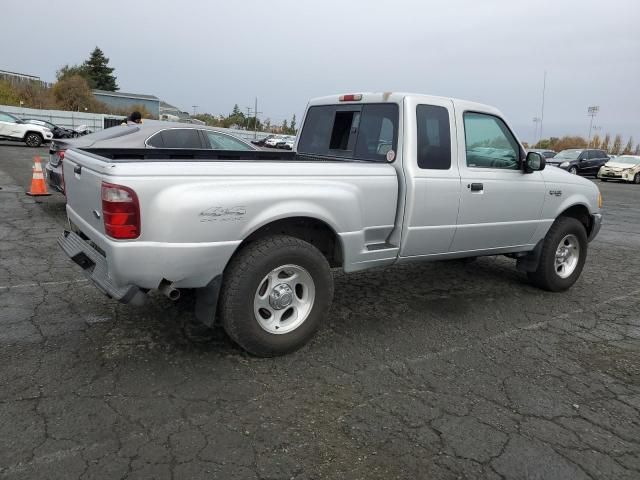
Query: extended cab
[377,179]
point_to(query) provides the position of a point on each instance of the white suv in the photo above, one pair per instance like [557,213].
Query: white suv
[12,128]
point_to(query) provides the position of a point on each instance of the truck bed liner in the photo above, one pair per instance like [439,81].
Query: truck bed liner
[129,155]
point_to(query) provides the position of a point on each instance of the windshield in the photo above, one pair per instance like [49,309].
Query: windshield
[568,154]
[627,159]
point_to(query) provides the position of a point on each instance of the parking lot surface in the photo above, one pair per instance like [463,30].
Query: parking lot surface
[436,371]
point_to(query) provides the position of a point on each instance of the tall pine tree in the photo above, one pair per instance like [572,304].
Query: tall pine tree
[99,73]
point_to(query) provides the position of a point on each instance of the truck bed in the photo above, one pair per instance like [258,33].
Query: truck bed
[128,155]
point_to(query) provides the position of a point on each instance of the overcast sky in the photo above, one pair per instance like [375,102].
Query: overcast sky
[215,54]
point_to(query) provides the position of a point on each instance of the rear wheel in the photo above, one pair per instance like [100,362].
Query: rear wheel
[563,254]
[33,139]
[276,293]
[636,179]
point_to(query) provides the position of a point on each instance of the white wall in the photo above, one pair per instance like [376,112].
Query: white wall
[60,117]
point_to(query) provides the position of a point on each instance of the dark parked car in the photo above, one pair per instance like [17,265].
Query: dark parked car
[545,152]
[150,134]
[260,142]
[583,161]
[58,132]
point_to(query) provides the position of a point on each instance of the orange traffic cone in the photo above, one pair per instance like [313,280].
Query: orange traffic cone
[38,185]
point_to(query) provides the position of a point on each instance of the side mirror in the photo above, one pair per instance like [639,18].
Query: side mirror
[534,162]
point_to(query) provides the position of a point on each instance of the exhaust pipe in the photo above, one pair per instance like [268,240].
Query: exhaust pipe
[166,288]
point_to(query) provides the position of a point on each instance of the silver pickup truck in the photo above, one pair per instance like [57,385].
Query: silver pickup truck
[376,179]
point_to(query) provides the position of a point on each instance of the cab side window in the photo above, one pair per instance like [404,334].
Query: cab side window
[489,143]
[434,138]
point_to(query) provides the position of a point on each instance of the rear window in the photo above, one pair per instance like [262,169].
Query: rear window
[361,132]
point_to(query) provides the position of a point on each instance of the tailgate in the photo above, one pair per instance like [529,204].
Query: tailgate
[83,187]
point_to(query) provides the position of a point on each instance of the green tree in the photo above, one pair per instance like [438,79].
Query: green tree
[605,143]
[73,93]
[67,71]
[8,94]
[629,147]
[98,70]
[292,127]
[617,145]
[637,150]
[236,110]
[285,126]
[543,143]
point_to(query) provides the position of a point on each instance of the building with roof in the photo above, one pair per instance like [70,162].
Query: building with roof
[21,78]
[128,101]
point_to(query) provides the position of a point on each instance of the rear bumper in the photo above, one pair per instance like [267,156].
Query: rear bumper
[54,177]
[94,266]
[596,220]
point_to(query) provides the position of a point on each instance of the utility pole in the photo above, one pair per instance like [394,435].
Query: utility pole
[255,121]
[536,121]
[194,109]
[592,111]
[544,86]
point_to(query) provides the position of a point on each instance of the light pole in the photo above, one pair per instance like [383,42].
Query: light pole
[194,109]
[592,111]
[536,121]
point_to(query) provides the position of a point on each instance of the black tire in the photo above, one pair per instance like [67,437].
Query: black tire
[33,139]
[546,276]
[636,179]
[573,171]
[244,276]
[603,179]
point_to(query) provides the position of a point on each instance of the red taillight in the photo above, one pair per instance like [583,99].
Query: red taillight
[353,97]
[120,212]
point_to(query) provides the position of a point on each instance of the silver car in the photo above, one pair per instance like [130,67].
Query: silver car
[150,134]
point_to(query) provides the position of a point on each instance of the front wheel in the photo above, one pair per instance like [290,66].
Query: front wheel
[573,171]
[636,179]
[563,254]
[33,139]
[276,293]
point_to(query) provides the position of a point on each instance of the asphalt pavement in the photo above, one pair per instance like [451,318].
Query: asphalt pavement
[442,370]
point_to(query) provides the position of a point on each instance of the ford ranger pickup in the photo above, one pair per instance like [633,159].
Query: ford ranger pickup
[375,179]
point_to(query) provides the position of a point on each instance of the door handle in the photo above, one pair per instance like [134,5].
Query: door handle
[77,169]
[476,187]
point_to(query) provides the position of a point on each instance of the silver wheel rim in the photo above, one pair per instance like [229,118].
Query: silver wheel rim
[32,140]
[567,256]
[573,170]
[284,299]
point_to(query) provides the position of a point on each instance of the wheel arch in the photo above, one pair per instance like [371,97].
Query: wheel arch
[32,131]
[581,213]
[313,230]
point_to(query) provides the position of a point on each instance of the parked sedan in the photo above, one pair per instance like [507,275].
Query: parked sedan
[150,134]
[623,167]
[58,132]
[581,161]
[286,143]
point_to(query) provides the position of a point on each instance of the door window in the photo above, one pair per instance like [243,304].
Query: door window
[220,141]
[434,139]
[7,118]
[489,143]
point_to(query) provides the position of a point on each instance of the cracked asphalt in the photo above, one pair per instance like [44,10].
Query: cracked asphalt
[436,371]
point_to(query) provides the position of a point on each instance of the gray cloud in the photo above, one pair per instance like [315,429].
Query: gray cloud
[215,54]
